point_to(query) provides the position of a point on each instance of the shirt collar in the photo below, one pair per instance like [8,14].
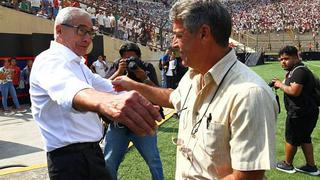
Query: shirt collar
[218,71]
[66,52]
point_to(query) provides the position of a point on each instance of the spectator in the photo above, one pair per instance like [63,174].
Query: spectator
[118,135]
[99,66]
[25,74]
[171,71]
[45,7]
[92,11]
[99,18]
[6,74]
[25,6]
[35,6]
[15,73]
[220,100]
[55,8]
[163,66]
[302,111]
[67,98]
[107,24]
[113,24]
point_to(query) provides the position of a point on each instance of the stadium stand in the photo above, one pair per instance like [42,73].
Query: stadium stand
[262,25]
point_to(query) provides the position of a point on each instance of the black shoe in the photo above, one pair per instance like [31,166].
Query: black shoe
[284,167]
[312,170]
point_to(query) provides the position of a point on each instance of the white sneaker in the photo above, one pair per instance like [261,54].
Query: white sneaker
[8,113]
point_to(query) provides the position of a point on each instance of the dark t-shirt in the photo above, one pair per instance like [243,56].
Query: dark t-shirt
[304,103]
[147,67]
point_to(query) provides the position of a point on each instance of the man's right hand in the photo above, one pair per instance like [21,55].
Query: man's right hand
[134,111]
[122,67]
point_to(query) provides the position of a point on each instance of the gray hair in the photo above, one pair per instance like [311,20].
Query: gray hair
[67,15]
[195,13]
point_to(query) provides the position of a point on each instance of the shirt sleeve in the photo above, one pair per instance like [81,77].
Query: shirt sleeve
[252,128]
[299,76]
[62,83]
[97,82]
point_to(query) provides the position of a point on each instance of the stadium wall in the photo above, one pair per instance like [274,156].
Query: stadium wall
[12,21]
[16,22]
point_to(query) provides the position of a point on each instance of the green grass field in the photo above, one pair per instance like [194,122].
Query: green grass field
[133,167]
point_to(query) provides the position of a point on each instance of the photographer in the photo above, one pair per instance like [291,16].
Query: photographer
[118,136]
[302,111]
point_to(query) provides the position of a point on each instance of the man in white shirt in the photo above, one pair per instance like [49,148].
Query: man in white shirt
[67,98]
[107,24]
[99,66]
[113,24]
[35,6]
[92,12]
[99,18]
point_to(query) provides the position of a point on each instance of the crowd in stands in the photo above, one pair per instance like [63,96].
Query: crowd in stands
[275,15]
[126,19]
[135,21]
[147,22]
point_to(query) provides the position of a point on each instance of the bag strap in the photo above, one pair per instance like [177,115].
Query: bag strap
[291,72]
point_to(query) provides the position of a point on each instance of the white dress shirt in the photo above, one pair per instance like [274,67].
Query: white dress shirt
[57,75]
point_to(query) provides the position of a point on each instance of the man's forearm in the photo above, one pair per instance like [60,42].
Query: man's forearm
[156,95]
[130,109]
[88,100]
[292,90]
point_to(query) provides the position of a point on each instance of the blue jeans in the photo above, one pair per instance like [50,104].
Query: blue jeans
[117,140]
[5,89]
[163,79]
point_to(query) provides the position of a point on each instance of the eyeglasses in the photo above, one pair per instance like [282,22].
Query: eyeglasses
[82,30]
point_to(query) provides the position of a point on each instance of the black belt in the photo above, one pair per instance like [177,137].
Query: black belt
[73,148]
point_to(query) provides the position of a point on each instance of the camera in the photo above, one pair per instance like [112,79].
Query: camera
[132,64]
[271,84]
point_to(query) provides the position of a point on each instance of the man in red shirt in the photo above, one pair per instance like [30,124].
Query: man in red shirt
[16,73]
